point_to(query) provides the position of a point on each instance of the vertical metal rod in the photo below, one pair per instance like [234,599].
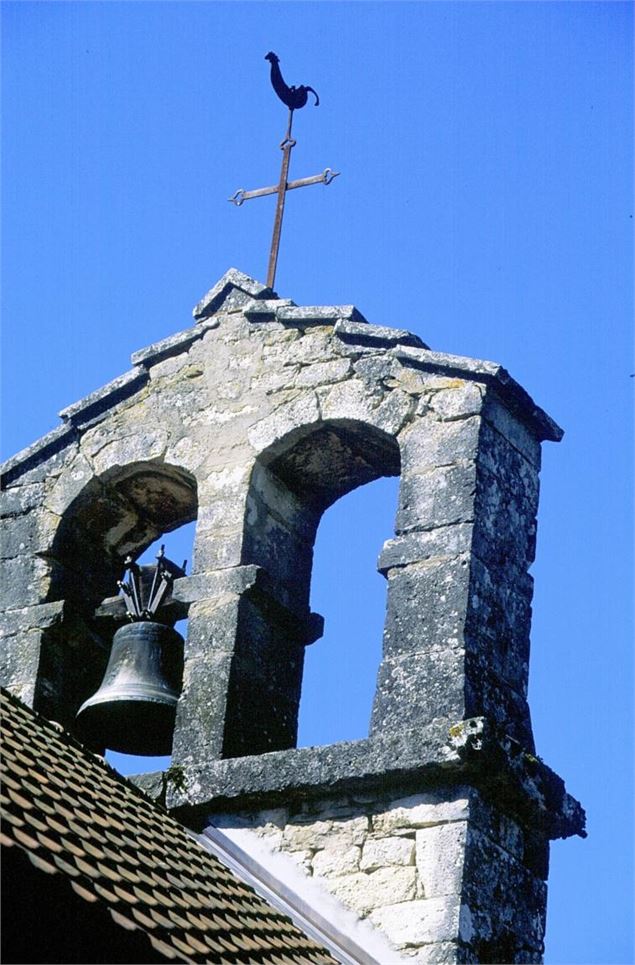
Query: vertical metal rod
[287,146]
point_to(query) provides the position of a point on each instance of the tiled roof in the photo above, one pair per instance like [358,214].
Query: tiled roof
[78,819]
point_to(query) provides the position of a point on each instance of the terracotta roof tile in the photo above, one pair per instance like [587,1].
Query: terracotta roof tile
[79,820]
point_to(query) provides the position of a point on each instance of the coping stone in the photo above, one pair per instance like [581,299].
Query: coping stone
[291,314]
[172,345]
[353,331]
[106,397]
[471,752]
[24,460]
[233,283]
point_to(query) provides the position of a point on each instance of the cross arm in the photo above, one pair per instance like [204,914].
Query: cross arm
[324,178]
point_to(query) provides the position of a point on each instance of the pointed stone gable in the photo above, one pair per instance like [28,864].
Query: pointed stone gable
[231,293]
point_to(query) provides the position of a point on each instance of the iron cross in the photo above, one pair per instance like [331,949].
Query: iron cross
[294,98]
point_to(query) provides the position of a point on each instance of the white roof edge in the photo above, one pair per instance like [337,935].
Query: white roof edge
[301,909]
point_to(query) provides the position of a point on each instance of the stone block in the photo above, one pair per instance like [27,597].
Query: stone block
[319,314]
[20,536]
[513,429]
[490,696]
[135,446]
[41,460]
[394,411]
[286,556]
[458,401]
[307,837]
[444,542]
[212,626]
[299,412]
[222,512]
[336,861]
[505,530]
[427,606]
[419,922]
[19,662]
[69,485]
[430,444]
[186,453]
[202,708]
[497,826]
[382,852]
[421,811]
[322,373]
[332,834]
[535,854]
[349,400]
[16,500]
[172,345]
[270,382]
[295,347]
[440,854]
[264,686]
[489,872]
[512,469]
[375,368]
[352,891]
[233,291]
[363,892]
[437,497]
[497,628]
[416,689]
[217,550]
[215,588]
[25,581]
[271,496]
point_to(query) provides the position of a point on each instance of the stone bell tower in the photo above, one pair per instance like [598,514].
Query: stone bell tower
[436,827]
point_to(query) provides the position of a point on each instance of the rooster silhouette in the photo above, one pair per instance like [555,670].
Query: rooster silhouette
[293,97]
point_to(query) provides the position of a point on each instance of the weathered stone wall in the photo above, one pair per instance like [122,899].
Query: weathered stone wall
[254,421]
[428,870]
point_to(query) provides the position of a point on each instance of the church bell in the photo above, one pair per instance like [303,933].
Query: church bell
[134,709]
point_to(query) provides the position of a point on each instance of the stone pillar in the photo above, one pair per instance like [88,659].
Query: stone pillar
[243,666]
[456,641]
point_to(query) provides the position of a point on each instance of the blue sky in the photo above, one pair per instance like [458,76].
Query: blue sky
[485,202]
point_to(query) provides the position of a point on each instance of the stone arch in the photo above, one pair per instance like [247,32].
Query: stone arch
[119,512]
[293,481]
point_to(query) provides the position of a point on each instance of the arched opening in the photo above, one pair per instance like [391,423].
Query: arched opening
[293,482]
[119,513]
[340,670]
[123,511]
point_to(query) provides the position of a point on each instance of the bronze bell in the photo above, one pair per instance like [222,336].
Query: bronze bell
[134,709]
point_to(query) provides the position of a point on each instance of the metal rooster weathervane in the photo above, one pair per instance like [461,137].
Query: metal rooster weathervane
[294,98]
